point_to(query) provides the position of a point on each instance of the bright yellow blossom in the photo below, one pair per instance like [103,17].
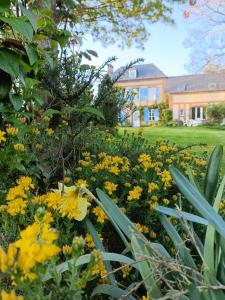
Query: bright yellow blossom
[73,205]
[11,130]
[36,246]
[100,214]
[49,131]
[2,138]
[10,296]
[152,187]
[134,194]
[66,249]
[110,187]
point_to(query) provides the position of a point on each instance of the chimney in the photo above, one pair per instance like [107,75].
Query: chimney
[110,70]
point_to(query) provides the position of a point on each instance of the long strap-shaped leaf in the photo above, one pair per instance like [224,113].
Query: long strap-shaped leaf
[182,250]
[85,259]
[209,255]
[180,215]
[198,201]
[121,220]
[100,247]
[212,175]
[112,291]
[146,266]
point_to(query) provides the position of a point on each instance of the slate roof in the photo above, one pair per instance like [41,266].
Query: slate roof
[143,71]
[194,83]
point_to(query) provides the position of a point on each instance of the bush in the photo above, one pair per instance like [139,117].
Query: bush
[216,113]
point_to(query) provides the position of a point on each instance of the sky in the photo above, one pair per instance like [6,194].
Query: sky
[164,47]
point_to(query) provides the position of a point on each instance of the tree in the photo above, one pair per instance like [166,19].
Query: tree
[111,21]
[207,38]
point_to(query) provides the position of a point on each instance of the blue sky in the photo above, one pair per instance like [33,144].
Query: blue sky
[164,47]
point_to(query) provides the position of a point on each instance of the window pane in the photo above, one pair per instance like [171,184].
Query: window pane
[193,113]
[143,94]
[198,112]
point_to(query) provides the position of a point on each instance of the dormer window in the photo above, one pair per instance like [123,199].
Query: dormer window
[132,73]
[182,88]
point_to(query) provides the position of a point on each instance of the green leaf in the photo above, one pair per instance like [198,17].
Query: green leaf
[112,291]
[30,82]
[9,62]
[99,246]
[90,110]
[32,54]
[32,19]
[180,215]
[209,254]
[92,52]
[4,5]
[17,101]
[198,201]
[122,221]
[21,26]
[212,175]
[146,265]
[192,178]
[85,259]
[182,251]
[50,112]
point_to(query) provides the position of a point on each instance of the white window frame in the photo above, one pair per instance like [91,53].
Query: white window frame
[151,115]
[132,73]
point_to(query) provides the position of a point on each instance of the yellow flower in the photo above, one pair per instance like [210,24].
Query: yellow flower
[142,228]
[99,269]
[46,119]
[19,147]
[152,187]
[17,206]
[67,179]
[11,130]
[144,298]
[7,259]
[80,182]
[25,182]
[114,169]
[73,205]
[49,131]
[2,138]
[52,199]
[134,194]
[66,249]
[110,187]
[166,178]
[10,296]
[174,197]
[100,214]
[36,246]
[126,270]
[89,241]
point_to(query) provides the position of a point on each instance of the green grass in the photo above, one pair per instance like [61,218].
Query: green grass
[186,136]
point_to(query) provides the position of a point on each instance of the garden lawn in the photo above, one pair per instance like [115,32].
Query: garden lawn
[185,136]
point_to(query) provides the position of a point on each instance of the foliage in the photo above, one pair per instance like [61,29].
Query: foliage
[216,113]
[123,22]
[136,175]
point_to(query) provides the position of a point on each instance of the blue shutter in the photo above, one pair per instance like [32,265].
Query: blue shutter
[146,113]
[156,114]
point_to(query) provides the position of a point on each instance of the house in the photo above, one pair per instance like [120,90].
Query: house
[188,96]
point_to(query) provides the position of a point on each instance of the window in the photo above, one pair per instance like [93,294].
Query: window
[212,85]
[154,114]
[154,94]
[198,113]
[181,113]
[132,73]
[143,94]
[151,115]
